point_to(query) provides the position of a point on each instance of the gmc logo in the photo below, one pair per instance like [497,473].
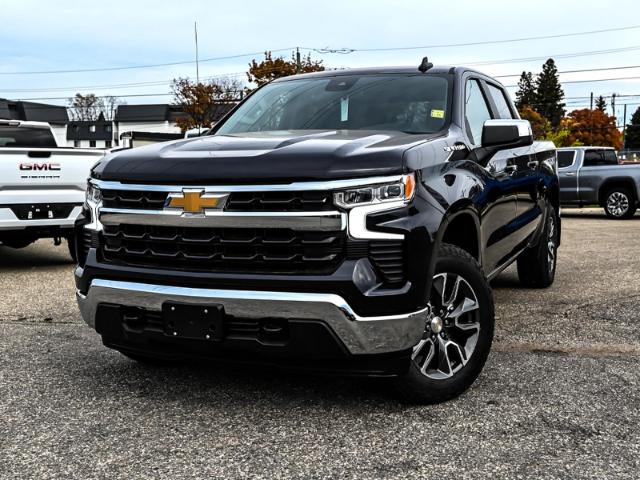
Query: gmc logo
[40,166]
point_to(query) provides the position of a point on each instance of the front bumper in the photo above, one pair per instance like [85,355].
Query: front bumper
[359,335]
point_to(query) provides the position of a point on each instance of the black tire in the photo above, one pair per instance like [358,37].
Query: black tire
[425,383]
[619,203]
[71,244]
[537,264]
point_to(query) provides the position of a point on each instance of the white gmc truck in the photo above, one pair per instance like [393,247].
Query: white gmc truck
[42,187]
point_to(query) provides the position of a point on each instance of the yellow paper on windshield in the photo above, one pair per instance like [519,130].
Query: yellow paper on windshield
[437,113]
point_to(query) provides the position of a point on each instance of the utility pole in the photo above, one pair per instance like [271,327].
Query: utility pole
[613,104]
[590,115]
[195,29]
[298,63]
[624,125]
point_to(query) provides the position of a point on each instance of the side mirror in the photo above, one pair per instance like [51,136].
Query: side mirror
[502,134]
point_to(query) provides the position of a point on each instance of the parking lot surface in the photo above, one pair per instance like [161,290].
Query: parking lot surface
[559,397]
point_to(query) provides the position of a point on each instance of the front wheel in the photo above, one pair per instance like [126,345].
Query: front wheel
[458,331]
[619,204]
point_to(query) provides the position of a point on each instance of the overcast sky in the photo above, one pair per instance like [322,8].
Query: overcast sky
[38,36]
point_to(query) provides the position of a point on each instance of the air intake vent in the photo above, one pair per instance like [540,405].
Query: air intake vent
[388,258]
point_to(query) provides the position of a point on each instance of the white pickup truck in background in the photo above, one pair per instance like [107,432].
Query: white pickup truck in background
[42,186]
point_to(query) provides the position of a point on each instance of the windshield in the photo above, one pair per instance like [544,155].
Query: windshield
[406,103]
[11,136]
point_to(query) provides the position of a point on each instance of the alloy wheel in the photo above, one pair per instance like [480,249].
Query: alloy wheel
[617,204]
[452,329]
[552,246]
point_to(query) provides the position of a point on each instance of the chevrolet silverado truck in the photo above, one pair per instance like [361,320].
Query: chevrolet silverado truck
[594,176]
[42,187]
[344,221]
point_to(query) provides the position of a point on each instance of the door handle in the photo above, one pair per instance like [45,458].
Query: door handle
[533,164]
[568,174]
[510,169]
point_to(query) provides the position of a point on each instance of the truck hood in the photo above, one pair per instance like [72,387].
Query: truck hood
[272,157]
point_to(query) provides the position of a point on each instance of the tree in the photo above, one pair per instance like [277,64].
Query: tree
[526,94]
[601,104]
[549,94]
[271,68]
[561,136]
[90,107]
[84,107]
[594,127]
[632,136]
[539,124]
[200,102]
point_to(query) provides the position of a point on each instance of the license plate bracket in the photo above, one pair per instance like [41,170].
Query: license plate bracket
[196,322]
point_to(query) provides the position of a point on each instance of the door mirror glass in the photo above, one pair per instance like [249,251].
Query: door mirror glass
[502,134]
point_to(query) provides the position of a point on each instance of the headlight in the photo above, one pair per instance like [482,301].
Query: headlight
[402,190]
[94,195]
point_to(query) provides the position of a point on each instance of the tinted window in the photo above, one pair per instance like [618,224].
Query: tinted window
[407,103]
[476,110]
[26,137]
[594,158]
[565,158]
[610,157]
[498,96]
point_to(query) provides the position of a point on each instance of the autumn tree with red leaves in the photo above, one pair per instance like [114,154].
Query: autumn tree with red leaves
[594,127]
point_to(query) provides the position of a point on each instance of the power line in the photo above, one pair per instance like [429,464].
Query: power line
[592,80]
[558,55]
[485,42]
[325,50]
[132,67]
[235,74]
[602,69]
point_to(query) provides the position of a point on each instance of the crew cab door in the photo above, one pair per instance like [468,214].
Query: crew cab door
[568,166]
[596,162]
[527,169]
[499,211]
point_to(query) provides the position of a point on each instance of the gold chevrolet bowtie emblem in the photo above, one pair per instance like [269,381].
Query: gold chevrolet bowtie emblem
[195,201]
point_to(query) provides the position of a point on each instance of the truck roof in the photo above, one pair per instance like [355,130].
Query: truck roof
[440,69]
[25,124]
[586,147]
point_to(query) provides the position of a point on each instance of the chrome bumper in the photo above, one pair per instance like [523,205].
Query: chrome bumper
[360,335]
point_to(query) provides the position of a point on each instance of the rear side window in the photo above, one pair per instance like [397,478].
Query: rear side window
[610,157]
[566,158]
[476,110]
[26,137]
[594,158]
[502,104]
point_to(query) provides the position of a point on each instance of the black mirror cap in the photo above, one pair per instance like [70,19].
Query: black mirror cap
[506,134]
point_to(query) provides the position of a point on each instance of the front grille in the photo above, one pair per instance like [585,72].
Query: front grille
[142,200]
[309,201]
[388,258]
[279,201]
[223,249]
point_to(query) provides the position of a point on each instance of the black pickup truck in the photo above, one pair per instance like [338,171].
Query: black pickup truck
[344,221]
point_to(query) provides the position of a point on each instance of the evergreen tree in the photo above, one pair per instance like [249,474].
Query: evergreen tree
[526,94]
[549,94]
[601,104]
[632,136]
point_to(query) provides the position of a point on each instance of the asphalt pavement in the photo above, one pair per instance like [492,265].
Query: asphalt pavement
[559,397]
